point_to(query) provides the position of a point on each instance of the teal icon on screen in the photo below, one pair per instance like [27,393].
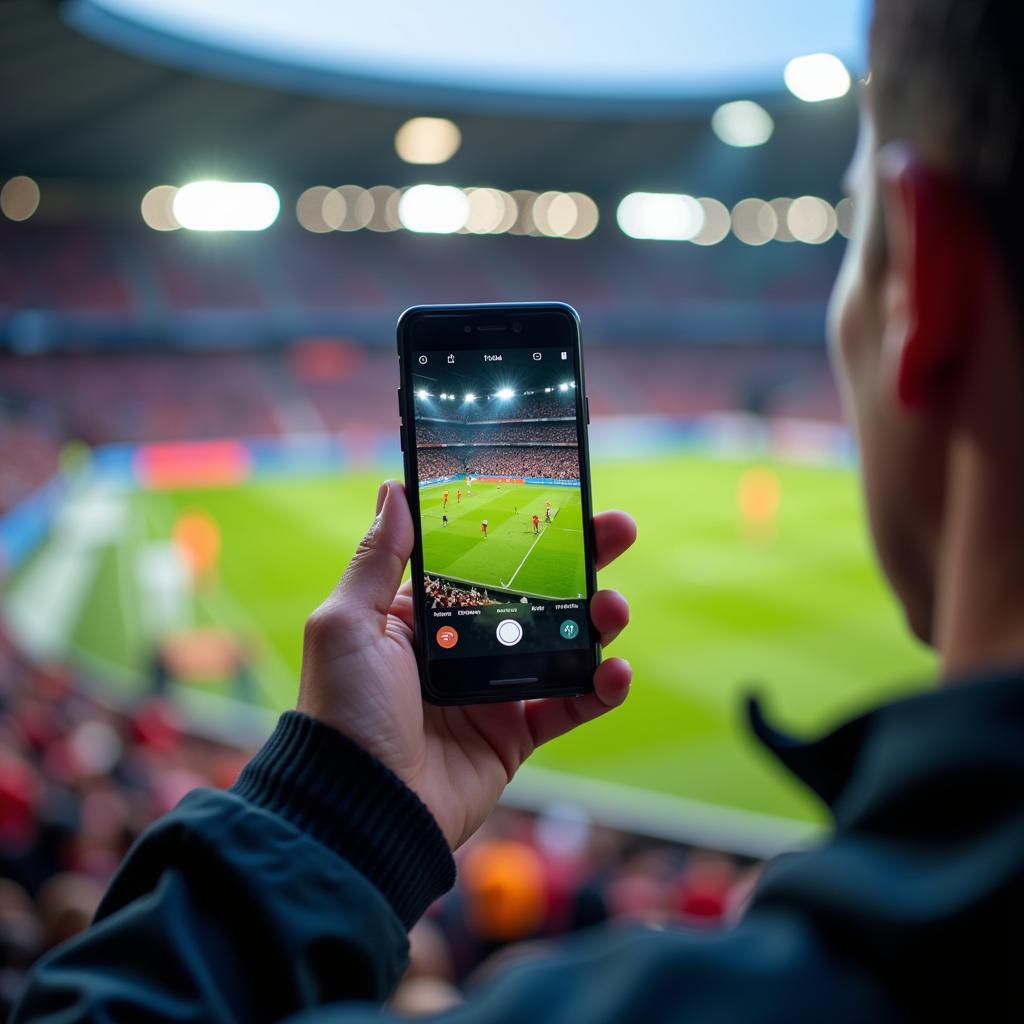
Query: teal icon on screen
[569,630]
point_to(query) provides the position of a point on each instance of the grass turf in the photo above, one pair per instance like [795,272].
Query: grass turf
[801,618]
[511,557]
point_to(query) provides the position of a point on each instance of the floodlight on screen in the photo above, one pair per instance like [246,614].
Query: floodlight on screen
[563,387]
[505,394]
[226,206]
[433,209]
[817,77]
[422,393]
[470,398]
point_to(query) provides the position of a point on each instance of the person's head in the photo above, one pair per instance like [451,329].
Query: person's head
[925,317]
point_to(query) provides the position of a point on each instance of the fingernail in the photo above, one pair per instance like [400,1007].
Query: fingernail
[382,493]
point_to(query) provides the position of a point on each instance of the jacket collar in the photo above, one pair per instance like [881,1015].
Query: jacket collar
[954,733]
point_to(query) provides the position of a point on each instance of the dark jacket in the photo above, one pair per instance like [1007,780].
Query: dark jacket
[290,895]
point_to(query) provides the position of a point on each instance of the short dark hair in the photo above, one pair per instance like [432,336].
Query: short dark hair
[947,76]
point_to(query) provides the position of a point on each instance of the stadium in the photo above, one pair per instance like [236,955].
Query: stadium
[197,404]
[488,450]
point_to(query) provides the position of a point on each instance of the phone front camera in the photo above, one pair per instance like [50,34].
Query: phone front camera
[517,327]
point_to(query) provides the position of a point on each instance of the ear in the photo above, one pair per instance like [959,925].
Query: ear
[938,250]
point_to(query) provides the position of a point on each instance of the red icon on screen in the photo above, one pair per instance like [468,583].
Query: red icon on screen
[447,637]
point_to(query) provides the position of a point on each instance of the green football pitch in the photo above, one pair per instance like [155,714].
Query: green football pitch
[548,563]
[800,617]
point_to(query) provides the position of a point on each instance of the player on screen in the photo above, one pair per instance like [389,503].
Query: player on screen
[536,524]
[483,528]
[445,499]
[444,519]
[458,496]
[547,513]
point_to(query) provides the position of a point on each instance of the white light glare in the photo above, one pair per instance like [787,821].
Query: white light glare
[743,123]
[422,393]
[662,216]
[471,398]
[817,77]
[505,393]
[563,387]
[433,209]
[226,206]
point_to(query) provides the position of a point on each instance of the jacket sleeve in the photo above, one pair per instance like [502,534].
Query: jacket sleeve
[293,890]
[290,897]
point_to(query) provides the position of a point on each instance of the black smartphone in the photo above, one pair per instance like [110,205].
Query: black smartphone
[494,434]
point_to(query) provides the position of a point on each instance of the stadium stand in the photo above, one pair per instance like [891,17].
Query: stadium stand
[326,385]
[554,463]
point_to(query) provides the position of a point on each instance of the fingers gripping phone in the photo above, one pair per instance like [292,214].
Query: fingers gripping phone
[494,434]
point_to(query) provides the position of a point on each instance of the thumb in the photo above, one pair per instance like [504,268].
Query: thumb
[373,576]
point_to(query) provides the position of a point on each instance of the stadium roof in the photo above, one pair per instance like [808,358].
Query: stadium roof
[81,109]
[482,55]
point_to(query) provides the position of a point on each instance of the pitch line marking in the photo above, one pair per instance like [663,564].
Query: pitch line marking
[523,562]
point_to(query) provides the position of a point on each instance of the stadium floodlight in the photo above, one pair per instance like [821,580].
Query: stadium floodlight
[470,398]
[547,390]
[663,216]
[427,140]
[226,206]
[563,387]
[433,209]
[505,393]
[423,393]
[817,77]
[742,123]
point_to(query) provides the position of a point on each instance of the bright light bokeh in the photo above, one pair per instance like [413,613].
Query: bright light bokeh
[309,209]
[754,221]
[19,198]
[505,394]
[661,216]
[811,220]
[433,209]
[817,77]
[717,222]
[742,123]
[226,206]
[157,208]
[427,140]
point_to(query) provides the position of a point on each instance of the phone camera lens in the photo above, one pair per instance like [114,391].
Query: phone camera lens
[517,327]
[467,328]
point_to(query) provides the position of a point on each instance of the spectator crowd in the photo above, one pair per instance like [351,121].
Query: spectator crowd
[553,463]
[445,594]
[549,432]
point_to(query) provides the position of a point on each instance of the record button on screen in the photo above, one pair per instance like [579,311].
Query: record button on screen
[509,632]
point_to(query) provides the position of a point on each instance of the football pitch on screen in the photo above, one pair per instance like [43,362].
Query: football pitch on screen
[795,612]
[548,563]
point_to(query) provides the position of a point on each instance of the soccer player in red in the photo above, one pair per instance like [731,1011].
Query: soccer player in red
[483,527]
[458,496]
[445,499]
[536,524]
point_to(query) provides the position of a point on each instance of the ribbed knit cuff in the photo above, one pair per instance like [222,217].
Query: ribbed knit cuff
[334,791]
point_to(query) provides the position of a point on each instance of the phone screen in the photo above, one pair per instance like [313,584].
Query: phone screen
[502,515]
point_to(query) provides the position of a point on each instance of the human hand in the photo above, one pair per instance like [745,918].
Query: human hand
[359,675]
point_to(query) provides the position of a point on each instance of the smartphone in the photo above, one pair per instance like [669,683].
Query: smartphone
[494,435]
